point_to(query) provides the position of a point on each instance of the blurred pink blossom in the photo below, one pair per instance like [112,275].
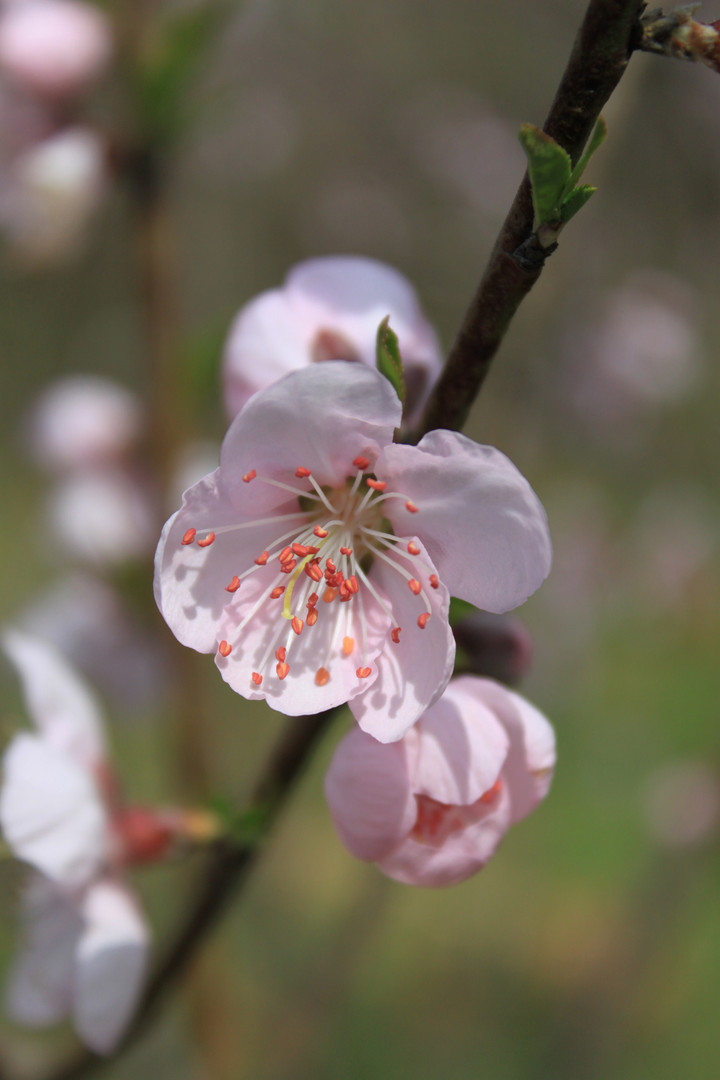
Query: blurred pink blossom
[53,48]
[309,491]
[329,309]
[432,808]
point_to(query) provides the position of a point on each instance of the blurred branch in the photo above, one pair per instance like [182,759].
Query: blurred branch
[609,33]
[226,870]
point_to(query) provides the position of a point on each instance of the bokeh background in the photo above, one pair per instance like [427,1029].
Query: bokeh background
[590,946]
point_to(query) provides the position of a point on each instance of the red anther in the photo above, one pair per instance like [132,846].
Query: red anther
[249,476]
[332,568]
[312,599]
[256,678]
[280,654]
[319,531]
[314,572]
[312,616]
[302,472]
[395,634]
[329,595]
[411,507]
[345,591]
[414,586]
[322,677]
[434,581]
[207,541]
[189,536]
[277,592]
[297,624]
[224,648]
[338,579]
[285,554]
[413,549]
[345,551]
[300,550]
[234,585]
[361,463]
[353,584]
[282,669]
[363,672]
[376,485]
[348,645]
[492,793]
[422,619]
[263,558]
[288,567]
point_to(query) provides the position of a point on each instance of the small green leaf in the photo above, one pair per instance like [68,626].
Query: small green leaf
[388,359]
[549,168]
[596,140]
[575,201]
[249,828]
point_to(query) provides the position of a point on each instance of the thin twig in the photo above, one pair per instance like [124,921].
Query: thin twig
[608,35]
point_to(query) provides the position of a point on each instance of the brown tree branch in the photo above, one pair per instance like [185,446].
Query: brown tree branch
[609,33]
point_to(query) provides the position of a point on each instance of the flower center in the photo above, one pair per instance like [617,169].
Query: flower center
[319,567]
[436,821]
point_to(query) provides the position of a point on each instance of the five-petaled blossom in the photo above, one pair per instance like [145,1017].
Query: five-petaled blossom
[432,808]
[318,561]
[329,309]
[86,940]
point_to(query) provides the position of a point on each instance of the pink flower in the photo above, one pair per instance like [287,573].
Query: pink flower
[432,808]
[54,48]
[329,309]
[86,940]
[317,562]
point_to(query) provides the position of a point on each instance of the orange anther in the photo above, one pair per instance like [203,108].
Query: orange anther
[256,678]
[413,549]
[395,634]
[492,793]
[319,531]
[280,654]
[376,485]
[297,624]
[414,586]
[312,599]
[277,592]
[300,550]
[422,619]
[361,463]
[332,568]
[234,585]
[189,536]
[285,554]
[282,669]
[322,676]
[411,507]
[207,541]
[288,567]
[224,648]
[353,584]
[345,551]
[348,645]
[302,472]
[314,572]
[434,581]
[263,558]
[363,672]
[329,595]
[312,616]
[249,476]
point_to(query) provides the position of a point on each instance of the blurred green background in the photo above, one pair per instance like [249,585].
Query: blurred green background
[590,946]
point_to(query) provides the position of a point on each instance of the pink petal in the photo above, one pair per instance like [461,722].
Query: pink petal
[482,523]
[320,418]
[51,812]
[414,672]
[459,856]
[40,986]
[463,747]
[368,792]
[110,965]
[60,704]
[529,767]
[264,343]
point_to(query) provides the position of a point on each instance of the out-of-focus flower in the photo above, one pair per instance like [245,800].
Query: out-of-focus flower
[81,421]
[329,309]
[52,190]
[432,808]
[318,560]
[497,646]
[53,48]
